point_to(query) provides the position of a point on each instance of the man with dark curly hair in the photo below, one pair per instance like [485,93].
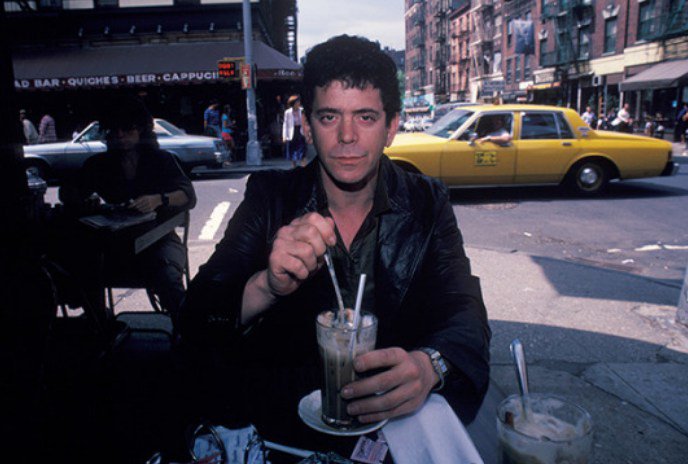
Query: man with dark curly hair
[136,172]
[261,290]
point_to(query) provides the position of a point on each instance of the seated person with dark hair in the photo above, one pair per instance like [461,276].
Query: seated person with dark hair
[496,131]
[259,294]
[134,171]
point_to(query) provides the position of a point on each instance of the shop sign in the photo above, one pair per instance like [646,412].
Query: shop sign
[493,86]
[62,83]
[551,85]
[524,85]
[544,77]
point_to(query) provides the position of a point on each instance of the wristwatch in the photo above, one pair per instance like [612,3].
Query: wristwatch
[439,365]
[165,198]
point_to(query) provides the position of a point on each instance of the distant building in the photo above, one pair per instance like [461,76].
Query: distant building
[564,52]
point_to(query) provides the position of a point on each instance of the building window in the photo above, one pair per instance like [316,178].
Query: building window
[584,43]
[517,68]
[610,35]
[526,67]
[646,20]
[508,70]
[543,51]
[509,30]
[497,67]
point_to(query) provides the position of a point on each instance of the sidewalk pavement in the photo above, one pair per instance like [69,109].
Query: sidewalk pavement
[605,339]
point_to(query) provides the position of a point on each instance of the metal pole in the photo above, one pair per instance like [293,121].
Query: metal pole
[682,312]
[253,152]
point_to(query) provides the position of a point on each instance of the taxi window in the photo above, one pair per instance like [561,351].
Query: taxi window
[564,128]
[539,126]
[490,124]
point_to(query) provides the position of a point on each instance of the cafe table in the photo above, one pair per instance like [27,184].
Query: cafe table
[82,244]
[433,435]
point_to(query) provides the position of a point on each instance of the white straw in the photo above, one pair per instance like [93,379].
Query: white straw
[337,291]
[359,300]
[357,311]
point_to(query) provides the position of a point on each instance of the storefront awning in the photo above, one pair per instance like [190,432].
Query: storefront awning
[660,76]
[149,64]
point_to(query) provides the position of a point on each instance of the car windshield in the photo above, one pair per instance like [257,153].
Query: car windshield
[92,133]
[169,127]
[447,124]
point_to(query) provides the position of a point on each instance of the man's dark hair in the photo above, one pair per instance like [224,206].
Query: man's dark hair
[126,113]
[355,61]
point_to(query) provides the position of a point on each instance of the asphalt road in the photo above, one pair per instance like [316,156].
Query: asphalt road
[639,227]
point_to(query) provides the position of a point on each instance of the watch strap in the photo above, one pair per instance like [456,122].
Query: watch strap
[439,365]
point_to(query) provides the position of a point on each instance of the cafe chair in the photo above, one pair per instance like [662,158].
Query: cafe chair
[92,327]
[136,282]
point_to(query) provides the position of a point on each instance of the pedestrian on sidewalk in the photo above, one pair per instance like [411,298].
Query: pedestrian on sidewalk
[211,119]
[589,117]
[30,132]
[292,132]
[681,124]
[227,130]
[46,129]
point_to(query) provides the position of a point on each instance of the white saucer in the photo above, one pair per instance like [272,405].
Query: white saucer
[310,411]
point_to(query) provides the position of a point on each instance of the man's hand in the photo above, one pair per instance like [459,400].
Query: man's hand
[146,203]
[400,390]
[297,252]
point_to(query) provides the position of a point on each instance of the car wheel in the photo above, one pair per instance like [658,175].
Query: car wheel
[589,177]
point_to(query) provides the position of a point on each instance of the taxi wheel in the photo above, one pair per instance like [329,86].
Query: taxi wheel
[589,177]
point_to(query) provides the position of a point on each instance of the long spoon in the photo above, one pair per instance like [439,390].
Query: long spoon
[519,357]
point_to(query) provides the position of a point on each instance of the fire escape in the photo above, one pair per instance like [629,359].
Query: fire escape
[571,17]
[482,33]
[417,64]
[671,22]
[441,56]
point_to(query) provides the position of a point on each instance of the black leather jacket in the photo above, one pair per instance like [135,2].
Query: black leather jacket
[425,295]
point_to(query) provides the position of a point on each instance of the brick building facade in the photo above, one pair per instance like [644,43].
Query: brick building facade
[586,52]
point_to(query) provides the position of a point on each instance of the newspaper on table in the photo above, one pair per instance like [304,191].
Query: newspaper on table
[116,220]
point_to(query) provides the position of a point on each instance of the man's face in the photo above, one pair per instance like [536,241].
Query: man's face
[349,131]
[123,138]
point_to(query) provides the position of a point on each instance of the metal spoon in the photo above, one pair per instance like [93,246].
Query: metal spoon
[519,357]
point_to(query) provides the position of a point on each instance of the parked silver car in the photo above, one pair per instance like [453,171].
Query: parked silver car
[52,161]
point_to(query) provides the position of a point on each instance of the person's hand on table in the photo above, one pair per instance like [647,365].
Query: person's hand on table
[297,252]
[146,203]
[405,384]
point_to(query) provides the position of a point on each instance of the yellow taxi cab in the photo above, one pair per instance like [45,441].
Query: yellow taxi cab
[528,144]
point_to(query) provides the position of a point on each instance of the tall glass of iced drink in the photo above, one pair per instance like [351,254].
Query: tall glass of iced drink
[340,342]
